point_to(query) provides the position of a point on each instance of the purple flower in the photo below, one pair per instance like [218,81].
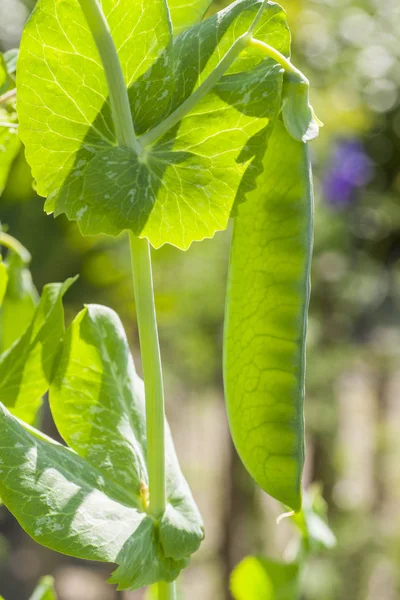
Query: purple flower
[349,170]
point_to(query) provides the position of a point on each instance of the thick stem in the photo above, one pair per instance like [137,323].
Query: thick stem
[119,100]
[151,360]
[142,277]
[166,591]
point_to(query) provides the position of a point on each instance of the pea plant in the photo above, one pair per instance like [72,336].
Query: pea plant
[144,117]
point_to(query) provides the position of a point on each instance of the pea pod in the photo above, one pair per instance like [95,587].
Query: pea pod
[266,320]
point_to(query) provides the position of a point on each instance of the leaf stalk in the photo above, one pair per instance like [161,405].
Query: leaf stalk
[7,241]
[278,57]
[167,591]
[119,100]
[177,115]
[152,371]
[245,40]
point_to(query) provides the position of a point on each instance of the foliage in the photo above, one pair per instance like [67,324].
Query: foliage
[212,143]
[97,402]
[27,361]
[260,578]
[108,188]
[9,140]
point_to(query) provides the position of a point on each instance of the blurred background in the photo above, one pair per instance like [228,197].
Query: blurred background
[350,50]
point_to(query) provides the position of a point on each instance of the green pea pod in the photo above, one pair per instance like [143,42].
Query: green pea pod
[266,319]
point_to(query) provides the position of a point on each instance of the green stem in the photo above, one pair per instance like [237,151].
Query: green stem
[142,278]
[198,94]
[151,361]
[275,55]
[166,591]
[242,42]
[119,100]
[12,244]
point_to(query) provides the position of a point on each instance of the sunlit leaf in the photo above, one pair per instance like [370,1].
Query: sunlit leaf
[185,187]
[26,368]
[90,500]
[185,13]
[9,143]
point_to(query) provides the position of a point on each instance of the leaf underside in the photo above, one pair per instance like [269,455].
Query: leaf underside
[186,188]
[265,322]
[89,500]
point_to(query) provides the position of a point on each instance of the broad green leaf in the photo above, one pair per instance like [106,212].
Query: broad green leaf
[3,280]
[19,301]
[185,13]
[185,188]
[44,590]
[266,317]
[26,368]
[264,579]
[9,143]
[90,500]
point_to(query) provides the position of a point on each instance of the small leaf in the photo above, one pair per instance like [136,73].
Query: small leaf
[264,579]
[44,590]
[298,115]
[184,187]
[26,368]
[266,318]
[19,302]
[10,144]
[89,500]
[10,58]
[185,13]
[311,521]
